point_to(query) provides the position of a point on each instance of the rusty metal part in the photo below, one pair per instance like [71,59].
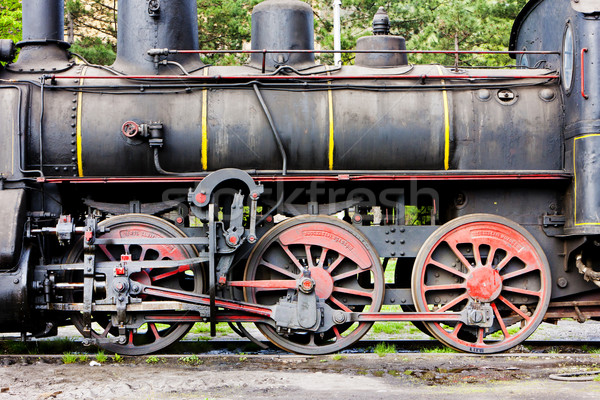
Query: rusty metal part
[588,273]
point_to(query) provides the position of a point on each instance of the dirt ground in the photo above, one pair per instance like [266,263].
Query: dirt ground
[352,376]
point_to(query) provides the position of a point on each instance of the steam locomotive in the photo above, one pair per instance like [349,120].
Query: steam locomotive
[141,198]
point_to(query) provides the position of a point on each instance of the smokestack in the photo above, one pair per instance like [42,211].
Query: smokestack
[153,24]
[43,48]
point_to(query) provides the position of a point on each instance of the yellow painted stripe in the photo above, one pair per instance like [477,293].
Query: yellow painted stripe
[575,179]
[79,112]
[331,127]
[446,123]
[205,125]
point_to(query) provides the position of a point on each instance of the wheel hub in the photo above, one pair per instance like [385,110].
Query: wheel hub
[323,282]
[484,284]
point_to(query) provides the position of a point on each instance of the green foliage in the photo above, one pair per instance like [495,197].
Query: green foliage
[439,350]
[95,50]
[382,349]
[10,20]
[428,25]
[101,357]
[118,358]
[69,358]
[152,360]
[224,24]
[191,360]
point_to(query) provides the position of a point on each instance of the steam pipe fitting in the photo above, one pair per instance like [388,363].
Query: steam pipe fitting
[588,273]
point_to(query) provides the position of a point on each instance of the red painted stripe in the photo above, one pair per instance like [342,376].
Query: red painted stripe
[324,178]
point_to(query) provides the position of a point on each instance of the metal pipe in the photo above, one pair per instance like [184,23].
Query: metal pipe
[43,20]
[275,132]
[337,32]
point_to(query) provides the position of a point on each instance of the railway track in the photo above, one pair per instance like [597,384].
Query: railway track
[236,346]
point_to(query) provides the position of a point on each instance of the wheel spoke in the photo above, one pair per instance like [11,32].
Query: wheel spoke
[504,261]
[480,335]
[491,255]
[457,329]
[348,274]
[107,329]
[477,255]
[152,327]
[461,257]
[309,259]
[336,331]
[522,291]
[354,292]
[500,321]
[452,286]
[339,304]
[454,302]
[514,308]
[336,263]
[291,256]
[106,252]
[322,257]
[522,271]
[282,271]
[448,269]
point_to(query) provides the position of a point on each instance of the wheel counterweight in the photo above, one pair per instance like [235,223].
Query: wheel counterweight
[483,260]
[344,266]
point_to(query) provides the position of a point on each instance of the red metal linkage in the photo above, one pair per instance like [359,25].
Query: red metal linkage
[583,51]
[303,77]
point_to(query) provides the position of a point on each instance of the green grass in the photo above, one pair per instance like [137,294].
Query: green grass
[382,349]
[191,360]
[118,358]
[338,357]
[439,350]
[202,327]
[101,357]
[590,349]
[152,360]
[69,358]
[597,378]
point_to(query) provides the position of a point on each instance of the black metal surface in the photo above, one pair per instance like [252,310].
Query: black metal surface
[282,25]
[139,30]
[12,220]
[43,20]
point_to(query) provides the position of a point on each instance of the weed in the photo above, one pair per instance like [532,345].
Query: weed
[382,349]
[242,359]
[191,360]
[408,372]
[101,357]
[152,360]
[597,378]
[118,358]
[589,349]
[323,360]
[69,358]
[338,357]
[439,350]
[378,374]
[83,358]
[393,372]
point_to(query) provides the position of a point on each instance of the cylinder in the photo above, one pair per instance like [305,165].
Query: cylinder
[379,60]
[283,25]
[152,24]
[43,20]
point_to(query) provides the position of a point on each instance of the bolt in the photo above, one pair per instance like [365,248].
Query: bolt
[393,242]
[402,229]
[437,299]
[393,230]
[402,253]
[392,300]
[121,298]
[393,253]
[403,301]
[562,282]
[16,280]
[402,241]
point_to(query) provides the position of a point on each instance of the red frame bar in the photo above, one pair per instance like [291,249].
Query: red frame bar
[323,178]
[583,51]
[265,51]
[303,77]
